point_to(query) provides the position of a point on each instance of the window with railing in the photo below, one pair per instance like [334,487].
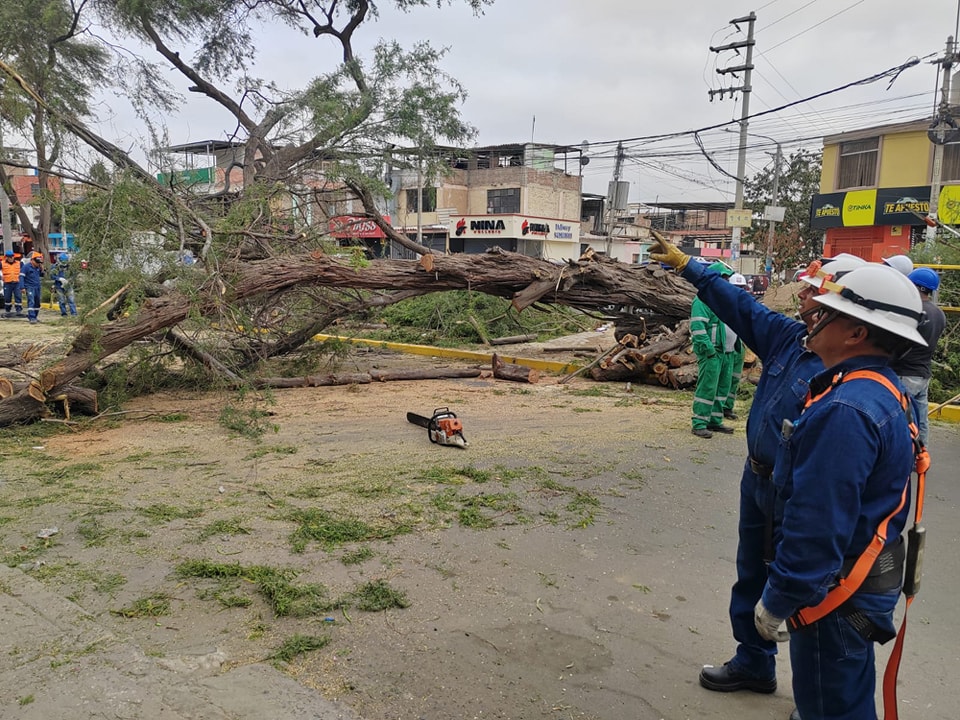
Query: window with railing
[858,163]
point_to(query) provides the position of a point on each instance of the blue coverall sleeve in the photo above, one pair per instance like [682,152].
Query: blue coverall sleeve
[762,330]
[823,503]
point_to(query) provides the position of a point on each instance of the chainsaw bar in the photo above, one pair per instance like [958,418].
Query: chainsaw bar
[420,420]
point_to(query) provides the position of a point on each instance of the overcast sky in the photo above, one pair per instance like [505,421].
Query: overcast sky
[609,70]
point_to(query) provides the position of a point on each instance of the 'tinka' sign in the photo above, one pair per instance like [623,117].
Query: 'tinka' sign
[877,206]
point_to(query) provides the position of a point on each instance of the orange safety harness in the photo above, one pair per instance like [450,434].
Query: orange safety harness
[847,586]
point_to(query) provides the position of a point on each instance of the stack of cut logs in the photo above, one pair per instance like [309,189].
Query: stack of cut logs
[666,359]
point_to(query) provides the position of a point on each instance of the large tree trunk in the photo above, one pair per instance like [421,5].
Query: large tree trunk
[591,283]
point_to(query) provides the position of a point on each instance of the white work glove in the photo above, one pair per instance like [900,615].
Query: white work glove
[768,624]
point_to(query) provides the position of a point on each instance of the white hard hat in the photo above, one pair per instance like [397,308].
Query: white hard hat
[832,269]
[738,279]
[881,297]
[900,263]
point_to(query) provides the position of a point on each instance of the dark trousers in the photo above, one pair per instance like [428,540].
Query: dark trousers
[834,671]
[12,296]
[755,656]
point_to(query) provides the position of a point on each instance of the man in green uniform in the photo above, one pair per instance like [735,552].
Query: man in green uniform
[713,366]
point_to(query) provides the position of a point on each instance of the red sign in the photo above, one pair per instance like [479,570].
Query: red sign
[353,226]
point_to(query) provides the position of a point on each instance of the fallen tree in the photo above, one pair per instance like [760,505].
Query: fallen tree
[591,283]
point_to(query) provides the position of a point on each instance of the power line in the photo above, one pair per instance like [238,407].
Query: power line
[813,27]
[892,73]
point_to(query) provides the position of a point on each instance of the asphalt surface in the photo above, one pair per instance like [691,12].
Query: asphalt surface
[58,662]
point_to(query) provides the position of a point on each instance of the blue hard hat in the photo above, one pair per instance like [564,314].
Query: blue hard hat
[9,253]
[925,278]
[64,257]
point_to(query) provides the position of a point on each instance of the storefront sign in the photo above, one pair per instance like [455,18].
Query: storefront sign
[864,208]
[353,226]
[514,226]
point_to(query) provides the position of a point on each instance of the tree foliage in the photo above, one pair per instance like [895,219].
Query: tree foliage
[795,242]
[44,40]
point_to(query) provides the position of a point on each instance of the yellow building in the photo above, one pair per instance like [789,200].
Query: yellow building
[875,189]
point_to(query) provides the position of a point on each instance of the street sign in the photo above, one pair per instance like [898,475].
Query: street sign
[773,212]
[739,218]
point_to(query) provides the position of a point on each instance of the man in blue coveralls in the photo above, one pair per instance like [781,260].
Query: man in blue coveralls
[842,478]
[780,394]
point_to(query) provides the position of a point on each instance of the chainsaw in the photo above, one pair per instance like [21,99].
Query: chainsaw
[443,428]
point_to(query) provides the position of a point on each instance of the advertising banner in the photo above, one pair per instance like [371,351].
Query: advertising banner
[883,206]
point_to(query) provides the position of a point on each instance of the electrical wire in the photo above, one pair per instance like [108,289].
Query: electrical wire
[814,27]
[891,73]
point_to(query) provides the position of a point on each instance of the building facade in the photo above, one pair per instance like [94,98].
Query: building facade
[522,197]
[875,189]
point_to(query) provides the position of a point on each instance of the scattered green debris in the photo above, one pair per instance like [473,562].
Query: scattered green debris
[232,526]
[161,513]
[94,532]
[250,424]
[298,645]
[154,605]
[358,556]
[378,595]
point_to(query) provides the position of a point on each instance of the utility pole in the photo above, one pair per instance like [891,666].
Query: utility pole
[943,131]
[747,69]
[613,195]
[768,265]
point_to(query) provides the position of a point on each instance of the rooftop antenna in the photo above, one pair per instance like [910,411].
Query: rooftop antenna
[533,127]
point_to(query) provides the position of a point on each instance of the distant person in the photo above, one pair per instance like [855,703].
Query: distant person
[733,363]
[30,274]
[11,285]
[914,366]
[708,335]
[63,278]
[900,263]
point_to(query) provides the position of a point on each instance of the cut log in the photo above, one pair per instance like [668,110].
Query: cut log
[6,388]
[683,377]
[78,401]
[675,360]
[514,339]
[510,371]
[431,374]
[315,381]
[25,406]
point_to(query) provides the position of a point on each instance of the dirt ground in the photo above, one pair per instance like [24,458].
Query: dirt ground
[573,562]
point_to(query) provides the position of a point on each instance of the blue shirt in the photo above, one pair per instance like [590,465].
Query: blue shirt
[776,339]
[839,474]
[30,275]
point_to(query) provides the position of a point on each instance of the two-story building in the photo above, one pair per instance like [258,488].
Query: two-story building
[521,197]
[875,189]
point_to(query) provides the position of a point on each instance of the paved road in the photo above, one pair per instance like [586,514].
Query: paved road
[637,654]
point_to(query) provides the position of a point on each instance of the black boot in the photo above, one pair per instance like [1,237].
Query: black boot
[727,678]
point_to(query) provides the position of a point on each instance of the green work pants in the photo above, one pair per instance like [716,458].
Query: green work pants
[713,385]
[733,362]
